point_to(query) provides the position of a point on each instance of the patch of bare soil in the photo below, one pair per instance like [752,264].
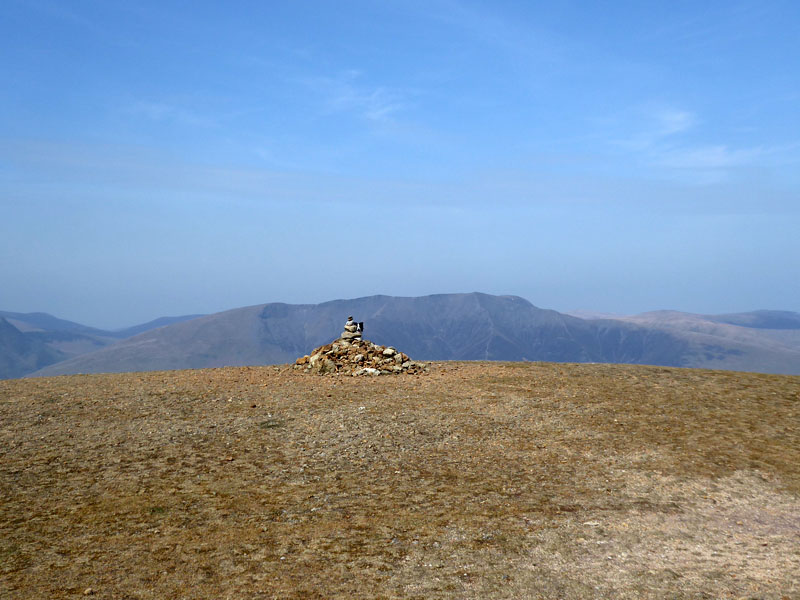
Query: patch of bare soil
[474,480]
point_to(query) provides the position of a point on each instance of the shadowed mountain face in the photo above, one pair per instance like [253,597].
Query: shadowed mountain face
[43,322]
[761,319]
[154,324]
[30,341]
[21,353]
[439,327]
[762,341]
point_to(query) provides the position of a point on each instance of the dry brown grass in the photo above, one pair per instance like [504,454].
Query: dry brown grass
[477,480]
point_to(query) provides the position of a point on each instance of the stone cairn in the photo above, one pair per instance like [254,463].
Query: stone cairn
[352,355]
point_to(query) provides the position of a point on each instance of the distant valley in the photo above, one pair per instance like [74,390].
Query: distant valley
[30,341]
[471,326]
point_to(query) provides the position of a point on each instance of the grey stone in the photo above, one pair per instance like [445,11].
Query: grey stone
[327,366]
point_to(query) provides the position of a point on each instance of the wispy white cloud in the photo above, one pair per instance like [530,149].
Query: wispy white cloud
[73,16]
[722,158]
[670,139]
[168,112]
[719,156]
[712,27]
[525,42]
[670,121]
[646,129]
[346,92]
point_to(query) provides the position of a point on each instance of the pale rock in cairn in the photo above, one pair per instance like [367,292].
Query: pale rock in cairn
[351,355]
[351,331]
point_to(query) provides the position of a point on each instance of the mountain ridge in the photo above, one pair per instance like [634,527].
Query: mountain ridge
[469,326]
[39,339]
[21,353]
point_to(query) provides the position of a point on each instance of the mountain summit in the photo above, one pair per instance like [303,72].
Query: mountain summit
[471,326]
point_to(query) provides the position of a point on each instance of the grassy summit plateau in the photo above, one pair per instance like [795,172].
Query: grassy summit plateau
[474,480]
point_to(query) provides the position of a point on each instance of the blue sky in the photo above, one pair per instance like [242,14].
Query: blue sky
[162,158]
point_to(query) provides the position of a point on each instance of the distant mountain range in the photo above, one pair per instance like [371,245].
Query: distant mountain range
[440,327]
[29,341]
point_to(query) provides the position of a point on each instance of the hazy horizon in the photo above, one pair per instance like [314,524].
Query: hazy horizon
[160,160]
[121,323]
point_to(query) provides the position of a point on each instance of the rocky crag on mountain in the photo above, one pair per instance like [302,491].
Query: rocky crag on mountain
[352,355]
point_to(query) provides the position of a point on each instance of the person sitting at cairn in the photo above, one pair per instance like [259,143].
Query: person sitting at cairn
[352,330]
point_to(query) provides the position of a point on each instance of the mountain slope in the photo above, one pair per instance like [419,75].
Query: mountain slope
[39,321]
[454,327]
[761,319]
[440,327]
[52,340]
[21,353]
[764,341]
[154,324]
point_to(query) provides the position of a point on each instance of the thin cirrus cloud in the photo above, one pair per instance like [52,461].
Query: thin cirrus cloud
[719,156]
[345,93]
[168,112]
[526,44]
[671,139]
[671,121]
[653,127]
[722,156]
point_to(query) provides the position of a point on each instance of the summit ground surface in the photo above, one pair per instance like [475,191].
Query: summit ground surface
[475,480]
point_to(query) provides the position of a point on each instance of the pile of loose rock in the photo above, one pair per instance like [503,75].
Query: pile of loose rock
[355,356]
